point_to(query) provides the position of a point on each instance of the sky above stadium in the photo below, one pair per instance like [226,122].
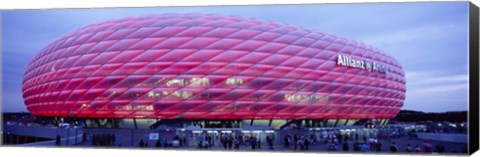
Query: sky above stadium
[430,40]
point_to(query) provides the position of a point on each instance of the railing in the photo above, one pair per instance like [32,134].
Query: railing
[69,136]
[64,141]
[444,137]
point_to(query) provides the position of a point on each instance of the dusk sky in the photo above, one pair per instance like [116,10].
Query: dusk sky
[430,40]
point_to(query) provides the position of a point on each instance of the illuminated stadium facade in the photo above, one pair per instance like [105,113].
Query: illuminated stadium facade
[197,68]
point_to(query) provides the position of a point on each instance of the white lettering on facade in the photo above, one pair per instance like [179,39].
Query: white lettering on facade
[361,64]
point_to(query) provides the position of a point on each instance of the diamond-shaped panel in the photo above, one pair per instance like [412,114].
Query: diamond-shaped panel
[199,66]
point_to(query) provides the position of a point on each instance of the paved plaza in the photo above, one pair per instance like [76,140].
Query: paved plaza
[123,139]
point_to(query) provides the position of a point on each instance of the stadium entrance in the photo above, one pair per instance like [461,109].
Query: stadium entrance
[209,137]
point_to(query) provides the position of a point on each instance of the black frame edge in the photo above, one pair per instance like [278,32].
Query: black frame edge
[473,119]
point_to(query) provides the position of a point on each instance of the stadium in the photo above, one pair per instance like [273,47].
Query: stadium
[212,71]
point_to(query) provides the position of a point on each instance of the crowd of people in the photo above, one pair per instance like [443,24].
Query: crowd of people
[103,139]
[232,141]
[176,141]
[300,142]
[297,141]
[205,141]
[335,141]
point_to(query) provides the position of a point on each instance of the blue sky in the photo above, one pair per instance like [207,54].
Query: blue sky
[430,40]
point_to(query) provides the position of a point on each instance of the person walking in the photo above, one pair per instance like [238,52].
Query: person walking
[378,145]
[393,147]
[313,139]
[325,136]
[371,142]
[113,139]
[240,138]
[440,148]
[427,148]
[58,140]
[184,139]
[340,138]
[253,142]
[259,143]
[356,146]
[295,141]
[224,141]
[210,141]
[230,141]
[345,146]
[237,143]
[84,136]
[408,149]
[199,140]
[270,142]
[301,144]
[417,149]
[306,142]
[289,140]
[247,140]
[158,144]
[356,136]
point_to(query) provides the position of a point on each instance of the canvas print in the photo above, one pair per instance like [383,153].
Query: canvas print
[346,78]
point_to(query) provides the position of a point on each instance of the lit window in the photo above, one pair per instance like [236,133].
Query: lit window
[183,95]
[151,94]
[307,98]
[176,94]
[200,81]
[234,81]
[149,108]
[186,95]
[176,82]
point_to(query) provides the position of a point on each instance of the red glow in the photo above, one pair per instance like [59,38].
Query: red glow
[197,66]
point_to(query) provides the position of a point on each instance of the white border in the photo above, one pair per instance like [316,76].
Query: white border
[49,4]
[84,152]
